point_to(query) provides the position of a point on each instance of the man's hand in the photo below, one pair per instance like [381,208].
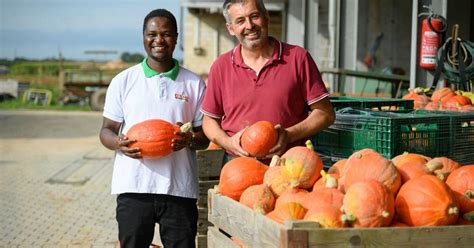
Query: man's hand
[282,143]
[123,142]
[186,139]
[233,145]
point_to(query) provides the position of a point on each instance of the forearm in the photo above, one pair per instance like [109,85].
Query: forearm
[313,124]
[109,139]
[321,116]
[212,129]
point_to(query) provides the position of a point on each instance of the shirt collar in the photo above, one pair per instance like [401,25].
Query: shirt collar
[171,74]
[237,58]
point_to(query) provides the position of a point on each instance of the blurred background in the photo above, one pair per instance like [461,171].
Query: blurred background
[363,47]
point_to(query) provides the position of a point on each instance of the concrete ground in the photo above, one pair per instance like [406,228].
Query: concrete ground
[55,181]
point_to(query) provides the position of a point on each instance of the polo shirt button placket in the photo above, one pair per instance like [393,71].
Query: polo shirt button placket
[162,87]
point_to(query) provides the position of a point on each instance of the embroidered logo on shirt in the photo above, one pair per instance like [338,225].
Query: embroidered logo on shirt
[182,97]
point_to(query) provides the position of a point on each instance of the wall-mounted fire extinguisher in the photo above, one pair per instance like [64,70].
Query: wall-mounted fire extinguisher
[433,28]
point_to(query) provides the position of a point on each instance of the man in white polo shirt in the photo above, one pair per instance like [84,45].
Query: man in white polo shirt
[160,190]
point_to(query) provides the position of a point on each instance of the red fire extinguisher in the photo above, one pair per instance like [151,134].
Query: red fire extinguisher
[432,30]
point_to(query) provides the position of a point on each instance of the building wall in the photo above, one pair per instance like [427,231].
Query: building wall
[206,30]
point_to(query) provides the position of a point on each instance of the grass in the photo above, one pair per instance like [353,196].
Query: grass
[19,104]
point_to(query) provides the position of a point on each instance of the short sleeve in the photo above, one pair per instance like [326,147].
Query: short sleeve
[113,108]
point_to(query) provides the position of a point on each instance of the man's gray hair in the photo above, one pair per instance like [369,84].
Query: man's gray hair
[227,3]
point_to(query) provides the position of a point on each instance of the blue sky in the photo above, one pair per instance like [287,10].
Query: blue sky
[39,29]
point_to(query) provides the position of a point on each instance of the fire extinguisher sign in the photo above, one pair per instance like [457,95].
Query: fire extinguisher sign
[429,46]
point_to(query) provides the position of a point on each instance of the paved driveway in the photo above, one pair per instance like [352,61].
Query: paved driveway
[55,181]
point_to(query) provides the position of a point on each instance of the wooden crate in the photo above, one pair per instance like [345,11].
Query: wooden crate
[209,164]
[256,230]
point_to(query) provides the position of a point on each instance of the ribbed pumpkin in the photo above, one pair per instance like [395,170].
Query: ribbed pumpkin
[406,156]
[287,211]
[153,137]
[326,215]
[338,167]
[301,166]
[461,182]
[258,197]
[457,101]
[326,196]
[292,195]
[442,94]
[368,204]
[412,169]
[326,181]
[274,179]
[426,201]
[418,97]
[442,166]
[239,174]
[368,164]
[259,138]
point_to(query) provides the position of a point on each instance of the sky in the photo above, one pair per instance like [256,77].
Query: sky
[39,29]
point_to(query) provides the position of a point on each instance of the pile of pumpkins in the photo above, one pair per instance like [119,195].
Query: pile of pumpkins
[444,99]
[364,190]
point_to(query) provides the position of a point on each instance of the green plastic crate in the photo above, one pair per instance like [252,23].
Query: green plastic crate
[461,141]
[388,133]
[340,102]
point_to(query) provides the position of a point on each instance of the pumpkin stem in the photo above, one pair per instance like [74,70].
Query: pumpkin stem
[309,145]
[347,218]
[469,194]
[441,175]
[435,165]
[469,216]
[331,182]
[275,161]
[385,214]
[186,127]
[453,210]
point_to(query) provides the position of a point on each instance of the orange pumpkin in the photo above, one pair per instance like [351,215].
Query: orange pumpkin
[326,215]
[301,166]
[426,201]
[326,181]
[258,197]
[338,167]
[461,182]
[368,164]
[458,100]
[412,169]
[368,204]
[274,179]
[239,174]
[442,166]
[406,156]
[287,211]
[292,195]
[418,97]
[154,137]
[259,138]
[442,94]
[326,196]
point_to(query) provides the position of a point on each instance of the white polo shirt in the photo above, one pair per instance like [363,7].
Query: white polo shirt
[138,94]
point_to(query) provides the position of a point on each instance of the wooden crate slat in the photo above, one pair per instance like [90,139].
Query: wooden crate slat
[216,239]
[240,221]
[257,230]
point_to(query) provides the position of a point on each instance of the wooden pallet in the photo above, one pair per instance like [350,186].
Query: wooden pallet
[209,164]
[256,230]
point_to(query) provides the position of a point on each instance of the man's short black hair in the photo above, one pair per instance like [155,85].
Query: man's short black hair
[161,13]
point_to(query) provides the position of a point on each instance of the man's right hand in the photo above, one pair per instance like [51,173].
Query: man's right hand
[233,145]
[123,142]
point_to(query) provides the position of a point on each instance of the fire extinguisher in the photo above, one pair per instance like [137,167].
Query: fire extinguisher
[432,34]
